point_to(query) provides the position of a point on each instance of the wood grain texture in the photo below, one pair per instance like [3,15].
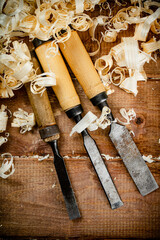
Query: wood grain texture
[31,209]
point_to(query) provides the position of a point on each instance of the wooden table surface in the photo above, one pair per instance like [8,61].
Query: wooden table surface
[31,208]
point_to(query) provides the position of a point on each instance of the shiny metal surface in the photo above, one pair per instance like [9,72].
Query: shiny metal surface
[132,159]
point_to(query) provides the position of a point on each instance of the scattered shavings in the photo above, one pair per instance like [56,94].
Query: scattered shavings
[42,19]
[91,121]
[108,157]
[129,116]
[148,158]
[130,60]
[142,29]
[7,168]
[17,69]
[3,118]
[23,120]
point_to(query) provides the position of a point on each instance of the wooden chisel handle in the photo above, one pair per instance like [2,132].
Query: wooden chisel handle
[81,65]
[64,88]
[43,111]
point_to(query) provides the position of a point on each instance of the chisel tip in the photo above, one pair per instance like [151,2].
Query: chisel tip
[117,205]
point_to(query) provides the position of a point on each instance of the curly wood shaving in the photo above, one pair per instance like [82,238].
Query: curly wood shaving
[59,37]
[102,21]
[7,168]
[155,27]
[109,36]
[142,29]
[3,118]
[39,82]
[129,116]
[91,121]
[104,62]
[19,70]
[103,122]
[149,3]
[120,72]
[151,46]
[39,19]
[130,85]
[81,22]
[23,120]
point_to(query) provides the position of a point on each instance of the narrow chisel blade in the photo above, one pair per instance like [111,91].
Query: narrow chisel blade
[65,184]
[102,172]
[132,159]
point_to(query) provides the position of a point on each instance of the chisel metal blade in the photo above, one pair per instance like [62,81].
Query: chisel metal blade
[132,159]
[65,184]
[102,172]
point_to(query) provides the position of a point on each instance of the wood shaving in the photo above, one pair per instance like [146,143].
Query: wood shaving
[23,120]
[151,46]
[3,118]
[3,140]
[148,158]
[91,121]
[143,28]
[84,123]
[108,157]
[41,158]
[7,168]
[130,59]
[128,115]
[18,69]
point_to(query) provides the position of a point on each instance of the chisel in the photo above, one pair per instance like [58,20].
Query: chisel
[70,103]
[49,132]
[85,72]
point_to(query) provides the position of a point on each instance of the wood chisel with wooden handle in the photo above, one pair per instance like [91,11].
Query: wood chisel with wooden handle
[85,72]
[49,132]
[69,101]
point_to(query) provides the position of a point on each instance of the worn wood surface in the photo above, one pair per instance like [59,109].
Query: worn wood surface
[30,205]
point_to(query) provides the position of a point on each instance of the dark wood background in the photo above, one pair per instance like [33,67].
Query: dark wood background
[31,209]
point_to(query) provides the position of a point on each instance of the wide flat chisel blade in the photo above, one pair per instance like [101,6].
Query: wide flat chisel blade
[65,184]
[132,159]
[102,172]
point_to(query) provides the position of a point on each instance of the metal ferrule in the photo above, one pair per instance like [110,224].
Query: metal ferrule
[49,131]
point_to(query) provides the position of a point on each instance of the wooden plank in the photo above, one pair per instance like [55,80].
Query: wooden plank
[31,207]
[146,126]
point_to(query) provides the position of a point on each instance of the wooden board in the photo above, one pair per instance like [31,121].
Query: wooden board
[32,207]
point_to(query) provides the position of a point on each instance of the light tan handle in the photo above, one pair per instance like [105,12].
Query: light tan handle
[42,109]
[81,65]
[64,88]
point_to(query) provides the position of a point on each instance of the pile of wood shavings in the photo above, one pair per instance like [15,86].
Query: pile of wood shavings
[45,19]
